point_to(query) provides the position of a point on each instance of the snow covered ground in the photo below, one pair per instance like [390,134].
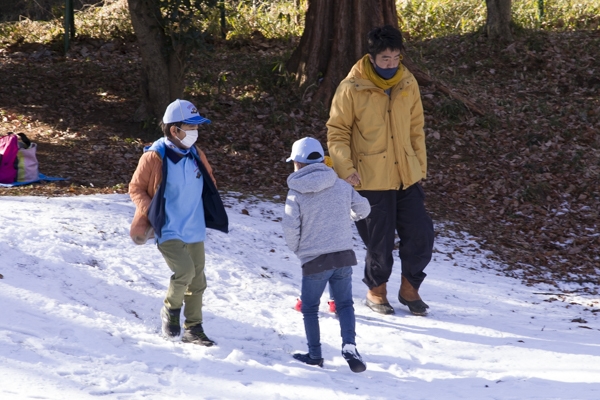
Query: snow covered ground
[80,318]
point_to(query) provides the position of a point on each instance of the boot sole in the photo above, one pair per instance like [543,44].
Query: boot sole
[416,307]
[385,309]
[199,342]
[357,366]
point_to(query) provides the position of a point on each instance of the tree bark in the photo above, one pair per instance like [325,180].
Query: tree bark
[335,37]
[498,20]
[163,67]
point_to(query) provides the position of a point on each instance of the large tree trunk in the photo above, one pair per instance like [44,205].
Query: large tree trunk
[335,37]
[163,67]
[498,20]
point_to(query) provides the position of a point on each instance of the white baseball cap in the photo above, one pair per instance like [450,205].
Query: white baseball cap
[183,111]
[307,147]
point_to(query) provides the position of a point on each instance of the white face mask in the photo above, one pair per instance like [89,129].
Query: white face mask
[189,139]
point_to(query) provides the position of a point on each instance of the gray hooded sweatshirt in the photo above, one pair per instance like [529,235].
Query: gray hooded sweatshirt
[319,211]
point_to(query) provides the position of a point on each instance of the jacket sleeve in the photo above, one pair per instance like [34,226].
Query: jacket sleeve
[417,133]
[140,182]
[339,131]
[360,206]
[207,165]
[291,222]
[141,190]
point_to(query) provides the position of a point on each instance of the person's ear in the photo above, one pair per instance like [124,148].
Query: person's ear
[372,59]
[173,130]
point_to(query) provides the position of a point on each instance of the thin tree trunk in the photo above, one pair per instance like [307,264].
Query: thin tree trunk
[162,76]
[498,20]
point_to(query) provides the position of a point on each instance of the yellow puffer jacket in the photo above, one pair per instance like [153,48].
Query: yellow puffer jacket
[379,136]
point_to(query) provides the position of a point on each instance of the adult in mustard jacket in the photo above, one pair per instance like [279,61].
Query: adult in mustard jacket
[376,142]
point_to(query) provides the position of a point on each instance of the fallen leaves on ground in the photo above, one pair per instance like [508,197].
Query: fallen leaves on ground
[523,179]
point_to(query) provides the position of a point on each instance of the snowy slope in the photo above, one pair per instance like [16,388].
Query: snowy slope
[80,318]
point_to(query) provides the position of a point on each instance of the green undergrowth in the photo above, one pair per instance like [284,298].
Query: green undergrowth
[284,19]
[426,19]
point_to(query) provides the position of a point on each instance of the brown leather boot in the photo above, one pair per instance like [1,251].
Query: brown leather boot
[377,300]
[409,296]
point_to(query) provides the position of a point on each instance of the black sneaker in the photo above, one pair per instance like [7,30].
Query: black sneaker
[353,359]
[196,335]
[305,358]
[171,328]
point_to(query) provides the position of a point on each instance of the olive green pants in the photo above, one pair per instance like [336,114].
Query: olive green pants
[188,281]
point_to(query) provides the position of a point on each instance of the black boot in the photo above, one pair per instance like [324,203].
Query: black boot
[171,328]
[196,335]
[409,296]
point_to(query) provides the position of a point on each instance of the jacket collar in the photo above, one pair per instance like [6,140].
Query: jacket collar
[360,82]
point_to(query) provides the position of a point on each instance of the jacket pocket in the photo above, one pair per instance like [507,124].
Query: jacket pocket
[414,166]
[372,169]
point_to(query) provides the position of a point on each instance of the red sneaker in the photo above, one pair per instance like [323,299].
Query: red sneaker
[332,308]
[298,306]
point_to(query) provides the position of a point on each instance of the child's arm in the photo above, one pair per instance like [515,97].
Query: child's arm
[143,183]
[140,182]
[360,206]
[291,223]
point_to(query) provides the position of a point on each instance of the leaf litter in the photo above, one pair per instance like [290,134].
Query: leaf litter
[523,179]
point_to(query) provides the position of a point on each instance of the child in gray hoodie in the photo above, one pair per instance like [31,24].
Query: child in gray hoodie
[317,226]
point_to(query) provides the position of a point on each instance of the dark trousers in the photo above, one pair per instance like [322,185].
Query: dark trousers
[392,211]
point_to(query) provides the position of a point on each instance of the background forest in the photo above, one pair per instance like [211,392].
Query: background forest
[514,147]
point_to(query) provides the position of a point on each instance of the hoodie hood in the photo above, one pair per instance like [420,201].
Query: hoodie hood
[312,178]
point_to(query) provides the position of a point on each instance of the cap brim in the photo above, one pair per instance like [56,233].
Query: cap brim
[288,159]
[198,120]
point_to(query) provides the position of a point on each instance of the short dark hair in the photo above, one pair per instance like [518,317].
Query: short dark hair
[166,128]
[383,38]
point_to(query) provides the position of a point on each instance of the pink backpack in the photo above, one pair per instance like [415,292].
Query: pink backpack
[9,148]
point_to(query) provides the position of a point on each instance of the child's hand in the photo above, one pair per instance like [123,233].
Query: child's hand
[353,179]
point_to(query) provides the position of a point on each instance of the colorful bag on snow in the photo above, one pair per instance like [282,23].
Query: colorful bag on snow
[9,148]
[18,160]
[27,163]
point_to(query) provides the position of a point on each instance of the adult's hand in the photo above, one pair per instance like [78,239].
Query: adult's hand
[353,179]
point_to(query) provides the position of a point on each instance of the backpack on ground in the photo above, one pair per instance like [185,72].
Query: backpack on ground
[18,160]
[9,147]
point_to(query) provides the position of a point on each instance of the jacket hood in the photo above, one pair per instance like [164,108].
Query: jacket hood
[158,146]
[312,178]
[161,145]
[357,71]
